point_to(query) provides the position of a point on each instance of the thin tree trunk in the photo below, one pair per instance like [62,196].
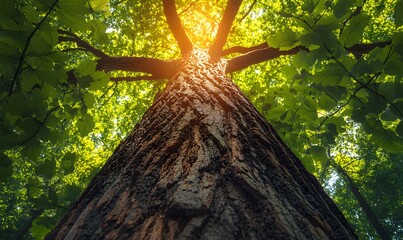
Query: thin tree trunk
[364,204]
[203,164]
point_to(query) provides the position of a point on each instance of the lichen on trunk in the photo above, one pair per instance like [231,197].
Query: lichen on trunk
[203,164]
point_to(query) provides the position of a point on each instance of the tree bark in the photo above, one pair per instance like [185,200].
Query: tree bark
[203,164]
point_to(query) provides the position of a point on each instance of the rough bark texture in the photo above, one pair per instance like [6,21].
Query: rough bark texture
[203,164]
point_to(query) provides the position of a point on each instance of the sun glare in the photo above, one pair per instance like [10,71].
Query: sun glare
[201,24]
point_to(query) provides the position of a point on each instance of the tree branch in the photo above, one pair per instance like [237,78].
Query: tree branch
[258,56]
[230,12]
[263,54]
[24,51]
[159,69]
[362,48]
[240,49]
[356,12]
[249,10]
[71,37]
[176,27]
[134,79]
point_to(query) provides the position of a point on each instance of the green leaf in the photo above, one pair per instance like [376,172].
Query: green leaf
[89,99]
[33,189]
[29,81]
[45,134]
[309,6]
[46,169]
[18,104]
[85,125]
[322,35]
[330,76]
[284,39]
[86,67]
[318,153]
[398,16]
[52,195]
[68,161]
[70,193]
[325,102]
[376,104]
[309,164]
[73,6]
[336,125]
[332,128]
[42,202]
[341,7]
[362,67]
[38,231]
[99,5]
[353,32]
[85,81]
[389,89]
[388,140]
[48,222]
[388,115]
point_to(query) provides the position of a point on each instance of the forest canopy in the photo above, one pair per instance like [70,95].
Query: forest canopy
[328,78]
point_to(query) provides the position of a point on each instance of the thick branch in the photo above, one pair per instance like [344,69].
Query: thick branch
[133,79]
[264,54]
[258,56]
[359,49]
[159,69]
[230,12]
[240,49]
[176,27]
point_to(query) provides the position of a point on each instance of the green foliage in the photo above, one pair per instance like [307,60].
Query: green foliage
[56,133]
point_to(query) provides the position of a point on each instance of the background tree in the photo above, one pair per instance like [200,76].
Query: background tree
[52,118]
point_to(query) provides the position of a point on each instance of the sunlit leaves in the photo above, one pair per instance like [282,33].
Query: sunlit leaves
[326,102]
[284,39]
[329,76]
[99,5]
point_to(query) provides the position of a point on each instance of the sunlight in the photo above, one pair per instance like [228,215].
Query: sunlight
[201,24]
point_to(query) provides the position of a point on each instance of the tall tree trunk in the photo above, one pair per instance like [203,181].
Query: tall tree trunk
[376,224]
[203,164]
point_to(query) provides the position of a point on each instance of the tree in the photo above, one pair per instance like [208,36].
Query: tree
[345,71]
